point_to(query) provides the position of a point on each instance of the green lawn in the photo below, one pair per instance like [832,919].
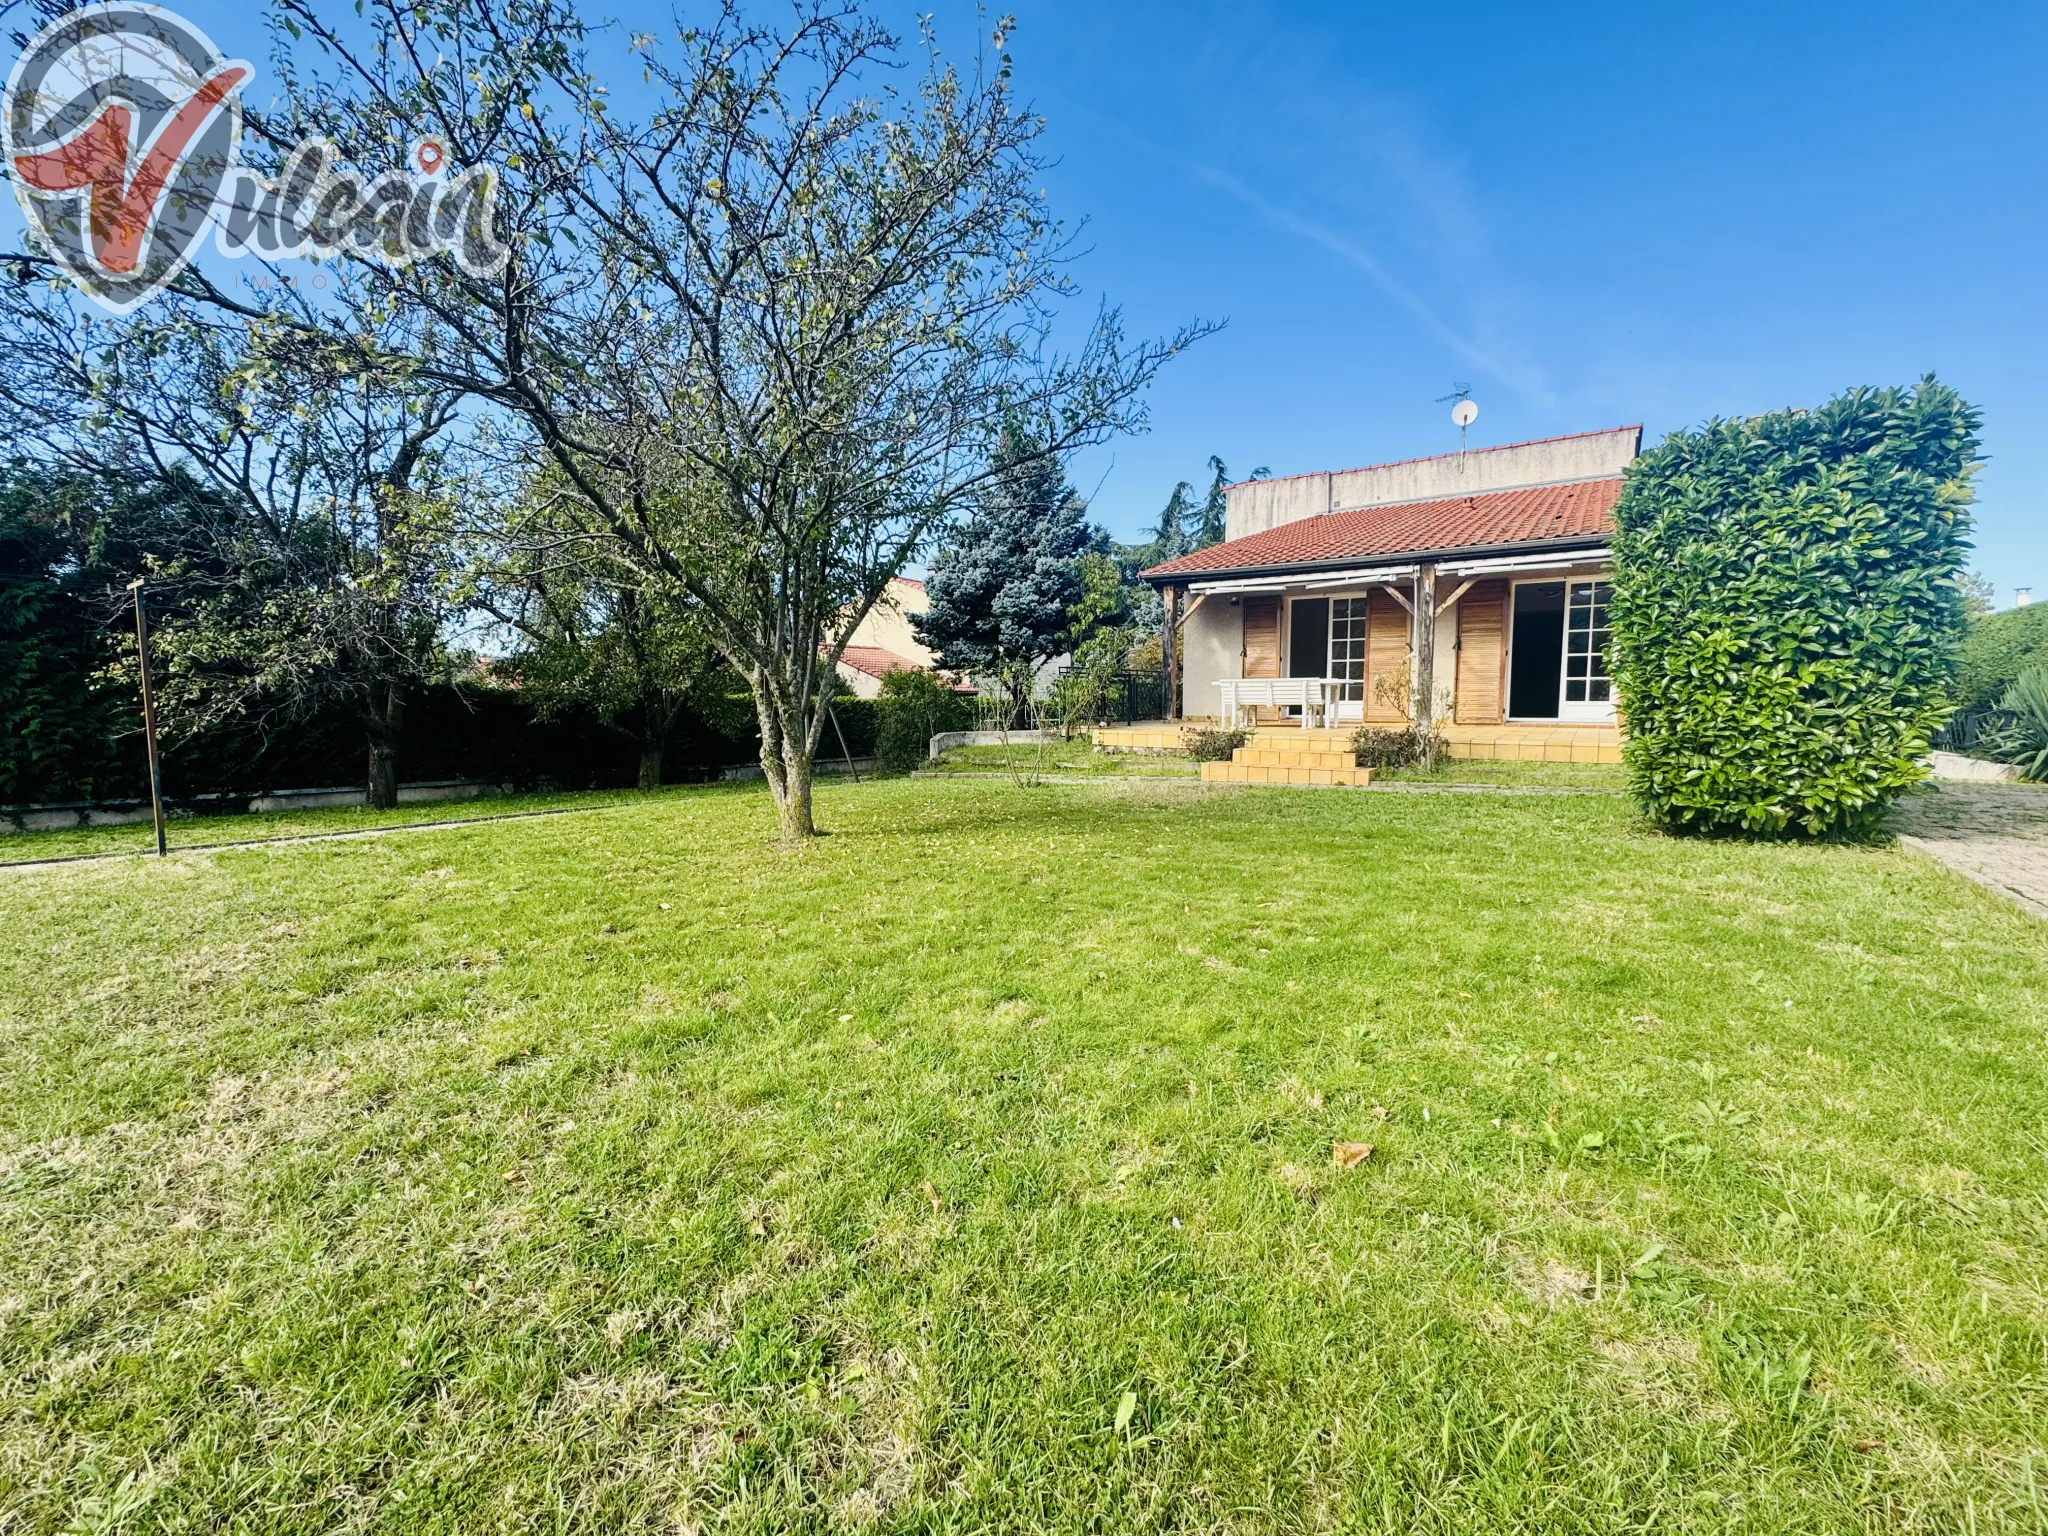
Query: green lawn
[1606,778]
[971,1170]
[193,831]
[1064,759]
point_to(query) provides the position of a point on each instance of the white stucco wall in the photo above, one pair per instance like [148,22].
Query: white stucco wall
[1212,648]
[1261,504]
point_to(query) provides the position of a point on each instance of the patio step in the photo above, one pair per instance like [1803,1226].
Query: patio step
[1272,773]
[1268,753]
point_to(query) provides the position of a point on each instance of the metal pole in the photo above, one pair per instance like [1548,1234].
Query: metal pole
[834,714]
[156,775]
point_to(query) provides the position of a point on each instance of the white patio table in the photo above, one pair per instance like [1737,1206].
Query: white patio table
[1308,694]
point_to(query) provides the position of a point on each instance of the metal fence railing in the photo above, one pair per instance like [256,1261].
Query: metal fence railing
[1965,731]
[1120,698]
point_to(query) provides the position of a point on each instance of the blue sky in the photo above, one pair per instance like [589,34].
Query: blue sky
[1592,214]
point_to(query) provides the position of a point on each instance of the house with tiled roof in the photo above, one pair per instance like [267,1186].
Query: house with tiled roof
[884,642]
[1468,590]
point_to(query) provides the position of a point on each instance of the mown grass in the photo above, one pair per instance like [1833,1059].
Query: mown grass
[187,831]
[1609,778]
[1076,758]
[971,1170]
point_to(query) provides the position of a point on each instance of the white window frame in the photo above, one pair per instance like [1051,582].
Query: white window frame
[1567,714]
[1589,711]
[1339,710]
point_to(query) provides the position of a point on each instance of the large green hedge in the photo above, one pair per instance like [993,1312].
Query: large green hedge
[1997,650]
[1786,611]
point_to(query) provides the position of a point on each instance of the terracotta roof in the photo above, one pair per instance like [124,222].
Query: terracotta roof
[875,661]
[1583,509]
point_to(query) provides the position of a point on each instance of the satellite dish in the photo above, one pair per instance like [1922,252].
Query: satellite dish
[1464,413]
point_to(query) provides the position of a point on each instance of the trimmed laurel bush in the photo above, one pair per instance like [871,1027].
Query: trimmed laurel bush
[1786,610]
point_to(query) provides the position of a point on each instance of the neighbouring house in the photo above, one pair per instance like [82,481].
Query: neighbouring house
[1469,591]
[884,642]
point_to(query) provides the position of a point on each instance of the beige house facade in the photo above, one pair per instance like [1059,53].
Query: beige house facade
[1469,591]
[883,641]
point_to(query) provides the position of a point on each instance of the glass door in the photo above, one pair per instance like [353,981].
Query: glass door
[1347,657]
[1588,690]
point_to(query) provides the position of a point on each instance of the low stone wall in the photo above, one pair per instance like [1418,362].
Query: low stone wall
[1970,770]
[118,813]
[946,741]
[821,767]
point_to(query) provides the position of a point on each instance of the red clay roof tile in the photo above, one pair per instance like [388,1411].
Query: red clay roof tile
[875,661]
[1582,509]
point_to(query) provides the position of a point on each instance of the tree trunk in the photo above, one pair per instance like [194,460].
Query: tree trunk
[786,761]
[381,721]
[794,808]
[658,712]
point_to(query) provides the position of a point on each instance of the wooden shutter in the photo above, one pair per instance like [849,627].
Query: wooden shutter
[1386,655]
[1482,653]
[1261,637]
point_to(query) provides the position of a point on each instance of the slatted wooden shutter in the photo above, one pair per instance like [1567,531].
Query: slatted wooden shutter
[1482,653]
[1262,637]
[1386,655]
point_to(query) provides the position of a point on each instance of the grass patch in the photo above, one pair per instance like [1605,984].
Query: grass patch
[972,1170]
[1064,759]
[1610,778]
[190,830]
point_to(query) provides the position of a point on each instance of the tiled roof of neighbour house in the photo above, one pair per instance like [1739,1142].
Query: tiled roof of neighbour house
[875,661]
[1539,515]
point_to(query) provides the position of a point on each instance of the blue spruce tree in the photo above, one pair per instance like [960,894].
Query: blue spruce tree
[1004,582]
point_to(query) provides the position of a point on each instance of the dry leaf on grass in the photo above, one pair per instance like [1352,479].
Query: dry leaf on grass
[1349,1154]
[516,1177]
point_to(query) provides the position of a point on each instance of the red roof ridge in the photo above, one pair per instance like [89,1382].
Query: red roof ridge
[1534,442]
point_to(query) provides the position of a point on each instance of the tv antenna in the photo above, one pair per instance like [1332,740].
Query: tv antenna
[1464,411]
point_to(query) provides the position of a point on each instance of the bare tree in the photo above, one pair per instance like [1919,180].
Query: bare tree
[767,331]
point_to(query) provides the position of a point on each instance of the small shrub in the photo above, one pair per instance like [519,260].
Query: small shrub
[1404,747]
[1212,746]
[915,707]
[2022,737]
[1786,610]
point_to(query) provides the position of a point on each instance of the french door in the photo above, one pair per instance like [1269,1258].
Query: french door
[1587,689]
[1347,657]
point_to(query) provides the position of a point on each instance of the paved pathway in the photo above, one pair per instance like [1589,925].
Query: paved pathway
[1995,834]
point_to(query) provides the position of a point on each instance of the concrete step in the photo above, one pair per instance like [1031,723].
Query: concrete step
[1262,773]
[1287,755]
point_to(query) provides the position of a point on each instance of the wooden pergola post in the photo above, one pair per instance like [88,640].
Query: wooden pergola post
[1169,651]
[1423,675]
